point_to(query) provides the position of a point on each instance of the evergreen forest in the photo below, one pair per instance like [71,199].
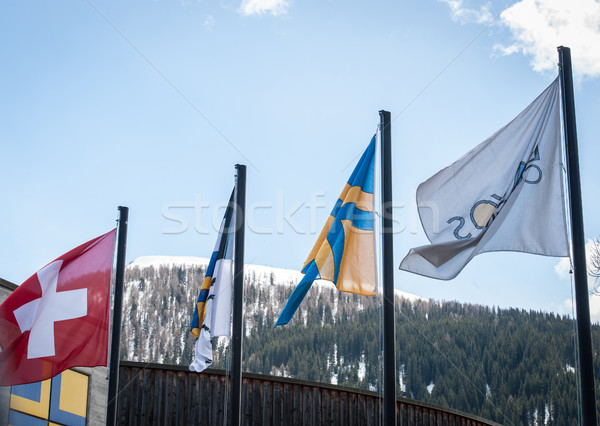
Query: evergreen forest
[512,366]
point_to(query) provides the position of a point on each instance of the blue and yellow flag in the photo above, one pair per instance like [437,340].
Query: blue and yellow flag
[345,250]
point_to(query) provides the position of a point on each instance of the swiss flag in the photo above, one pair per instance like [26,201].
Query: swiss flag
[59,317]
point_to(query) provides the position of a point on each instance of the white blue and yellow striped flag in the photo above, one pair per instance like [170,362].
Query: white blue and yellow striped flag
[345,250]
[212,313]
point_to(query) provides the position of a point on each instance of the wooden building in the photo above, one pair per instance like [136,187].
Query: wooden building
[152,394]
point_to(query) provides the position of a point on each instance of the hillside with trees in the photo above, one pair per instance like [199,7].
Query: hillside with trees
[508,365]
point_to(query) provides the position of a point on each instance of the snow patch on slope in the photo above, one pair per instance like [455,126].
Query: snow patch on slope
[155,261]
[283,276]
[409,296]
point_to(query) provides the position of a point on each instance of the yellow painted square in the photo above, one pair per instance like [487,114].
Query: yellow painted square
[27,406]
[73,393]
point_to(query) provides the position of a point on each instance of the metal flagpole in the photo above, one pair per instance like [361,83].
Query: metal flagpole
[584,335]
[115,347]
[238,294]
[389,357]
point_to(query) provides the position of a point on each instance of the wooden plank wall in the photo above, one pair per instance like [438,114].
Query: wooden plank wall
[169,395]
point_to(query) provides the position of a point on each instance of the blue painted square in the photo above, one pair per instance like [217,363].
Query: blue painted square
[16,418]
[30,391]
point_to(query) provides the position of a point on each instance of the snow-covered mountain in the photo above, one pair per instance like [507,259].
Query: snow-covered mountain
[160,293]
[497,363]
[281,276]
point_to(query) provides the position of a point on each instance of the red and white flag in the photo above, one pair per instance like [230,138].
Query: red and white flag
[59,317]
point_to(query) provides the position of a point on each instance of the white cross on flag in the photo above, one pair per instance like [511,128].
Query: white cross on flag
[59,317]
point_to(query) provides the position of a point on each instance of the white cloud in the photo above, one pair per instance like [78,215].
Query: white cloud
[568,308]
[209,22]
[563,268]
[539,27]
[466,15]
[595,309]
[259,7]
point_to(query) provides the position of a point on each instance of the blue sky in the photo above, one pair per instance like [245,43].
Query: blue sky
[151,104]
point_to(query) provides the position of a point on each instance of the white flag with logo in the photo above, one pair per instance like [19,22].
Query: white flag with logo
[504,195]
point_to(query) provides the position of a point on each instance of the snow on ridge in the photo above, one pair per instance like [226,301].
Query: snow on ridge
[282,275]
[409,296]
[156,261]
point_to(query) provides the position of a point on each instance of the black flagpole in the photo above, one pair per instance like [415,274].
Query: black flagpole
[238,294]
[115,347]
[584,335]
[389,357]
